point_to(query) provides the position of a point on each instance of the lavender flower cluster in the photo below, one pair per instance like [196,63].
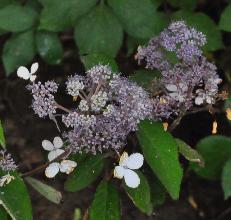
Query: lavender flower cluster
[188,81]
[108,107]
[7,164]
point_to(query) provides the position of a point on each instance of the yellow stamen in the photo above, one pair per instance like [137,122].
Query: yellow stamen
[165,125]
[214,130]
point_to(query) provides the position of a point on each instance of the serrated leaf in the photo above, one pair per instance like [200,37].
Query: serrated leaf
[160,152]
[226,179]
[85,173]
[215,150]
[144,77]
[105,205]
[3,213]
[21,18]
[94,59]
[205,24]
[185,4]
[2,136]
[45,190]
[99,32]
[189,153]
[49,47]
[141,196]
[140,19]
[59,15]
[18,50]
[225,19]
[15,199]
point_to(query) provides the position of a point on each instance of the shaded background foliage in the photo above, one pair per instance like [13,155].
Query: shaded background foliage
[72,35]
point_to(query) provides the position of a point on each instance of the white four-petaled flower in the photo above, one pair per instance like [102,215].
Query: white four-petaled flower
[126,166]
[65,166]
[54,148]
[24,73]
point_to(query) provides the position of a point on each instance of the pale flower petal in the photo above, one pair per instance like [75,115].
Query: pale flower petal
[135,161]
[33,78]
[58,143]
[131,178]
[67,166]
[119,172]
[52,170]
[199,100]
[23,72]
[34,68]
[123,158]
[171,87]
[54,154]
[47,145]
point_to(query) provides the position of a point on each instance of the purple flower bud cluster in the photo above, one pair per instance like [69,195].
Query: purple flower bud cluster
[43,102]
[111,107]
[7,164]
[189,79]
[107,108]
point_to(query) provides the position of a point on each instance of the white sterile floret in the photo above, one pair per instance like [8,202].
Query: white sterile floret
[98,101]
[175,92]
[83,106]
[54,148]
[6,179]
[24,73]
[126,166]
[66,166]
[74,86]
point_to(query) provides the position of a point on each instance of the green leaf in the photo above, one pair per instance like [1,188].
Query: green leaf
[94,59]
[49,47]
[99,32]
[3,213]
[85,173]
[205,24]
[189,153]
[105,205]
[18,50]
[21,18]
[225,19]
[4,3]
[59,15]
[226,179]
[2,136]
[141,196]
[158,192]
[15,199]
[215,150]
[185,4]
[139,18]
[48,192]
[160,152]
[144,77]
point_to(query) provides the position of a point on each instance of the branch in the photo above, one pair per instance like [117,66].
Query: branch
[42,167]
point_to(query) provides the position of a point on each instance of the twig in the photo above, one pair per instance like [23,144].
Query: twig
[63,108]
[223,214]
[42,167]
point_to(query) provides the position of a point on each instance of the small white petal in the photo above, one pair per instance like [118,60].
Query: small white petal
[123,158]
[119,172]
[54,153]
[23,72]
[171,87]
[33,78]
[135,161]
[52,170]
[58,143]
[199,100]
[34,68]
[47,145]
[67,166]
[131,178]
